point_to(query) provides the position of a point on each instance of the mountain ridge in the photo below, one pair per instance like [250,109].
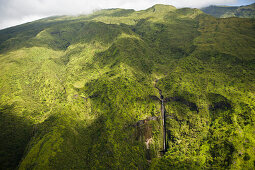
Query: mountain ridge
[74,91]
[247,11]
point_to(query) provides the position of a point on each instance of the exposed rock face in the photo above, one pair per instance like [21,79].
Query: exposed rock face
[144,133]
[144,128]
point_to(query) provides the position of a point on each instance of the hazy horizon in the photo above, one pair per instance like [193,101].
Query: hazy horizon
[16,12]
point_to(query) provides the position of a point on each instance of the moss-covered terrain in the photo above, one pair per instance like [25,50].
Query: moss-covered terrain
[80,92]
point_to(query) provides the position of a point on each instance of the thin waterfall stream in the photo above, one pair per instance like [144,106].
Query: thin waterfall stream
[163,116]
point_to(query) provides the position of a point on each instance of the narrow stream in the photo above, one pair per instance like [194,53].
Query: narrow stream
[163,116]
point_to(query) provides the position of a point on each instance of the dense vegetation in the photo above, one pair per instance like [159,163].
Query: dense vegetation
[79,92]
[231,11]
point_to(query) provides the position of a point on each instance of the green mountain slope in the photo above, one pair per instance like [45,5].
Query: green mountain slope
[231,11]
[82,92]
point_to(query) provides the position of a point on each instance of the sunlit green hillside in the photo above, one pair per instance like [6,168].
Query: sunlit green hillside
[83,92]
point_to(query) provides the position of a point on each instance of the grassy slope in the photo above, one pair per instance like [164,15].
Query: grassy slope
[75,88]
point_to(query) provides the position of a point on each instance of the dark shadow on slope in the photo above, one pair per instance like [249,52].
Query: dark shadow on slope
[222,153]
[192,106]
[173,38]
[17,37]
[245,117]
[114,138]
[60,35]
[15,134]
[220,107]
[131,51]
[102,144]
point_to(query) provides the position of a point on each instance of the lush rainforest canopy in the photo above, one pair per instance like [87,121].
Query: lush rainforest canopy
[80,92]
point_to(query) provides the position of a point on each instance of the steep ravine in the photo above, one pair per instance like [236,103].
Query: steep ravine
[163,116]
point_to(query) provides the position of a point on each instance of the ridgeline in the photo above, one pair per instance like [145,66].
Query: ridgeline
[79,92]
